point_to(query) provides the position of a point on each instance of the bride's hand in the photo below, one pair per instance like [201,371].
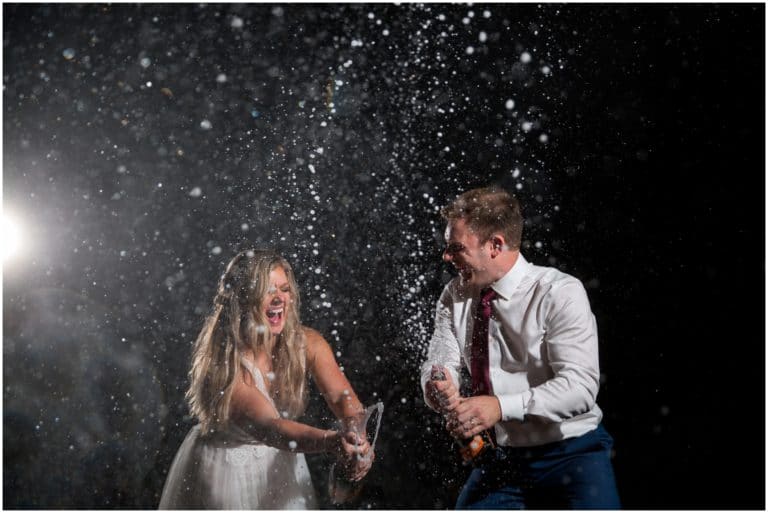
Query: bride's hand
[363,464]
[355,456]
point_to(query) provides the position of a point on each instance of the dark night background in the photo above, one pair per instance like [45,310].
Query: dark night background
[143,145]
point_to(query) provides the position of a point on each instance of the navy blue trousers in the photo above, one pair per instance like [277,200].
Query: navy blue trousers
[575,473]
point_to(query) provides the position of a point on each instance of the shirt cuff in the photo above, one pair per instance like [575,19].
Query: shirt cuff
[513,406]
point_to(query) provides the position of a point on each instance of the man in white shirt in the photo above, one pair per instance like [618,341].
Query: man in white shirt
[533,359]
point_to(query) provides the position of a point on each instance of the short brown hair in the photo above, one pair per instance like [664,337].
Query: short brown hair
[488,211]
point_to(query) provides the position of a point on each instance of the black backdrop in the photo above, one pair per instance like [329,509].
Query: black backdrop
[143,145]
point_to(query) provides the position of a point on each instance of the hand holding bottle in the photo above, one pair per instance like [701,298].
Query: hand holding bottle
[473,415]
[354,459]
[441,391]
[356,455]
[471,439]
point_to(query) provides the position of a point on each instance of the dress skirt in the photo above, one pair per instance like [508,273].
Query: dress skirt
[229,470]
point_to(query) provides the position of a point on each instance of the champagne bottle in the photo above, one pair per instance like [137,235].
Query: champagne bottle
[473,448]
[341,489]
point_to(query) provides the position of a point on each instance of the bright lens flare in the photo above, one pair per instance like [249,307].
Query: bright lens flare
[10,237]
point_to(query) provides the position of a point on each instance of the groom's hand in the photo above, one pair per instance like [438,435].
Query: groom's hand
[442,393]
[473,415]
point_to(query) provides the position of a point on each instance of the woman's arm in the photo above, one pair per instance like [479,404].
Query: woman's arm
[255,414]
[357,455]
[330,380]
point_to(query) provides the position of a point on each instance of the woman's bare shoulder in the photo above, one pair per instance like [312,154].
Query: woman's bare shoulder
[315,342]
[312,336]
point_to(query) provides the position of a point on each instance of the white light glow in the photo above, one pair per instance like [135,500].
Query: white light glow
[11,237]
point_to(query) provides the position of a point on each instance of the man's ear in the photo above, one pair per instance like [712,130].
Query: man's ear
[497,244]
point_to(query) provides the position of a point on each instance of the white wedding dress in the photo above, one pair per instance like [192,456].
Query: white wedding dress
[232,470]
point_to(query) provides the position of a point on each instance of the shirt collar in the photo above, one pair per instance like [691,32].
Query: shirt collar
[507,285]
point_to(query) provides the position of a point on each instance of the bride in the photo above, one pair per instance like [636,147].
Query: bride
[248,386]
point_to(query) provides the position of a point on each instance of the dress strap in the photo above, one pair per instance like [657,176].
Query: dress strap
[258,377]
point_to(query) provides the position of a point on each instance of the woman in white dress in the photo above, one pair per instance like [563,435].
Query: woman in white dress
[248,386]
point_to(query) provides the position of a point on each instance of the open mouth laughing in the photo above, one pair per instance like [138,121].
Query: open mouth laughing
[275,315]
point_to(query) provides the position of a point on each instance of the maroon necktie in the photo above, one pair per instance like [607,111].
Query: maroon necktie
[481,380]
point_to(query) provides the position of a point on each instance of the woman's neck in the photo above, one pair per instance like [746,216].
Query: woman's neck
[262,358]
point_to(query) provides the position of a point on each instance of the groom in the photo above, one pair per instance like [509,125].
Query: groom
[529,339]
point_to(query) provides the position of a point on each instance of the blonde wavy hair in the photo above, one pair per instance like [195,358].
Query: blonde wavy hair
[237,325]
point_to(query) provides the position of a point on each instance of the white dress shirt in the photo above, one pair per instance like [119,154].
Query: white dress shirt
[542,352]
